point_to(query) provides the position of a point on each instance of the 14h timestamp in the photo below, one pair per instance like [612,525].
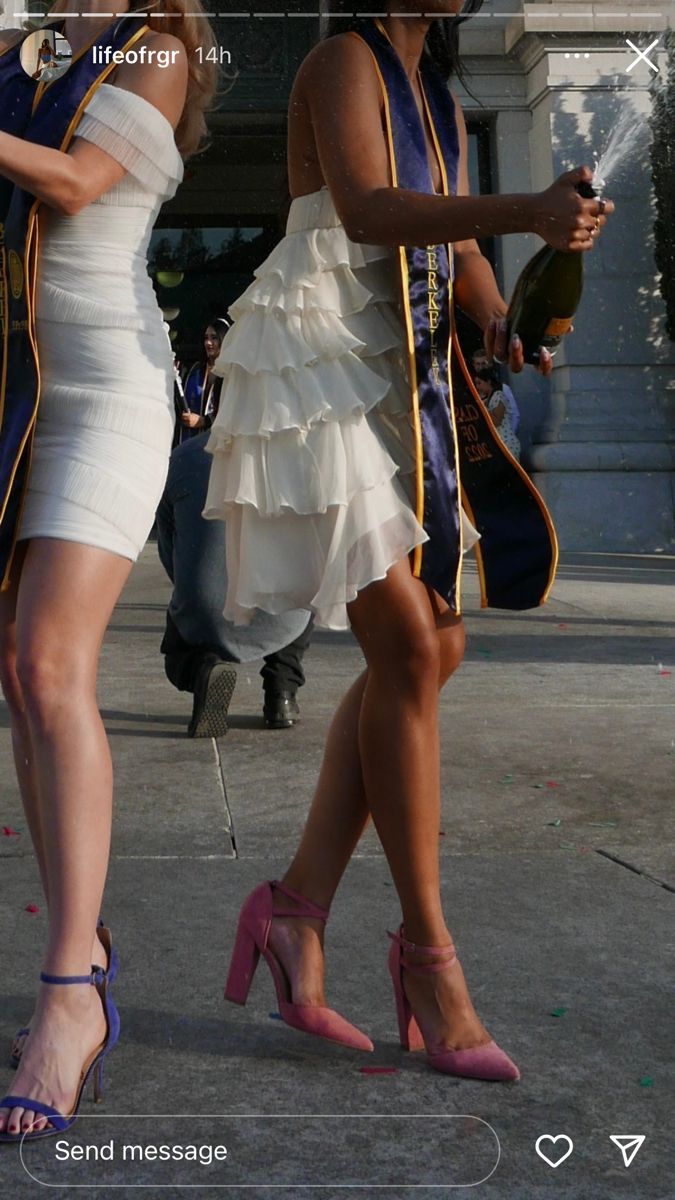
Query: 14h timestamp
[215,54]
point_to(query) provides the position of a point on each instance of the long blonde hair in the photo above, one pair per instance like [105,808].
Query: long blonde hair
[185,20]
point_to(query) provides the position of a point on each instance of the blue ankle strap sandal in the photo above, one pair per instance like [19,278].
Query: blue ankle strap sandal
[105,937]
[94,1065]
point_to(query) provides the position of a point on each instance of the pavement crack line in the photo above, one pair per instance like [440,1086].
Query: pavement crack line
[229,820]
[621,862]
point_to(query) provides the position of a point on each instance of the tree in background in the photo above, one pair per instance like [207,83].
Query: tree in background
[663,176]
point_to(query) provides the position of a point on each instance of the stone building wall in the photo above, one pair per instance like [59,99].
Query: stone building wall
[602,434]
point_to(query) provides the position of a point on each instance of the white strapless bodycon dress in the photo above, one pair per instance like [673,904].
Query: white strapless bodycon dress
[105,419]
[313,446]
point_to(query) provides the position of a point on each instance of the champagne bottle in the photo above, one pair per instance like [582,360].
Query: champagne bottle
[546,296]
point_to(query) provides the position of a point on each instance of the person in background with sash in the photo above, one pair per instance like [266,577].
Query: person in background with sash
[201,387]
[337,451]
[479,362]
[487,383]
[85,436]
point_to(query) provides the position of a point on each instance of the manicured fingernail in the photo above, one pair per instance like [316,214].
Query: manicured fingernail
[502,325]
[515,341]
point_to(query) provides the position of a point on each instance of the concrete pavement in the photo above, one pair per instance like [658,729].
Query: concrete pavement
[558,866]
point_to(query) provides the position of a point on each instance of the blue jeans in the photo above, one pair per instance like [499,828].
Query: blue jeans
[192,552]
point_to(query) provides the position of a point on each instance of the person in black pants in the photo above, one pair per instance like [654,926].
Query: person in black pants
[199,645]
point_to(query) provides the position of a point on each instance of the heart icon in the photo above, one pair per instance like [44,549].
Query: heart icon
[562,1154]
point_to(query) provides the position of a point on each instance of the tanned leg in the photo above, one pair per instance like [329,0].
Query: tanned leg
[65,597]
[382,756]
[22,745]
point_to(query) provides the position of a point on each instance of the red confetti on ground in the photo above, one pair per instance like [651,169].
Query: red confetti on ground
[562,626]
[32,908]
[378,1070]
[665,672]
[7,831]
[441,833]
[552,783]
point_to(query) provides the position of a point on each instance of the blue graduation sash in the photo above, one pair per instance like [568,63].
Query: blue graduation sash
[460,456]
[17,90]
[46,114]
[194,388]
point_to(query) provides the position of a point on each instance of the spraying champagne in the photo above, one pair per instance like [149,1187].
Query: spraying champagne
[547,295]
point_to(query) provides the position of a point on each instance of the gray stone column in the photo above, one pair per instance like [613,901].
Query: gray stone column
[604,455]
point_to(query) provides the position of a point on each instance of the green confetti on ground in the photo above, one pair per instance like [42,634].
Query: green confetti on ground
[537,785]
[556,823]
[558,1012]
[567,846]
[646,1081]
[603,824]
[506,779]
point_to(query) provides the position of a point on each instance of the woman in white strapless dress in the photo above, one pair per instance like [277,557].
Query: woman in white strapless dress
[313,472]
[100,456]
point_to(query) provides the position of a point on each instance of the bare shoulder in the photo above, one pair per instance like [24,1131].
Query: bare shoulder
[343,60]
[166,41]
[9,37]
[160,76]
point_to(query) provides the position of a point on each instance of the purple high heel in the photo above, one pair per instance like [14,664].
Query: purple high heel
[477,1062]
[252,940]
[113,960]
[94,1065]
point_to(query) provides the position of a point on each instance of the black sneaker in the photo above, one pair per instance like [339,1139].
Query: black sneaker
[280,710]
[214,686]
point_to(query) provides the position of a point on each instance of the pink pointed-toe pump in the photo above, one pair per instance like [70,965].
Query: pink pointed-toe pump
[252,940]
[477,1062]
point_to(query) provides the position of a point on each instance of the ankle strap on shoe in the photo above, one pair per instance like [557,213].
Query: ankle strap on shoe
[307,907]
[96,977]
[443,955]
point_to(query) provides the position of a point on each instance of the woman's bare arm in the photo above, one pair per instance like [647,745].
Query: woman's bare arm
[475,287]
[69,182]
[339,85]
[498,413]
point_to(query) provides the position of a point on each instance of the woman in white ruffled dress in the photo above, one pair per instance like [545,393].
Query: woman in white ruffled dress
[313,471]
[101,452]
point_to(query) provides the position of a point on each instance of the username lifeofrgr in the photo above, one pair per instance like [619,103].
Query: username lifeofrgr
[145,54]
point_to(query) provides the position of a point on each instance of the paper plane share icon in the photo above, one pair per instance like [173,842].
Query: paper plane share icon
[629,1144]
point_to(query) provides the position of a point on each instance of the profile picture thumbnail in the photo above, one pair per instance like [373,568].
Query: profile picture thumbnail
[45,55]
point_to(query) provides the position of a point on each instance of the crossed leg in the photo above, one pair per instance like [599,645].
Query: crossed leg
[382,759]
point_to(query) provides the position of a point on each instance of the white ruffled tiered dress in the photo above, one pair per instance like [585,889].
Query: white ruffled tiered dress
[313,465]
[106,415]
[313,447]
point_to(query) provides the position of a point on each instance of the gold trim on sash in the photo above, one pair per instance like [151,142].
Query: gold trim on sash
[476,549]
[42,87]
[412,366]
[4,302]
[451,400]
[524,476]
[31,285]
[30,271]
